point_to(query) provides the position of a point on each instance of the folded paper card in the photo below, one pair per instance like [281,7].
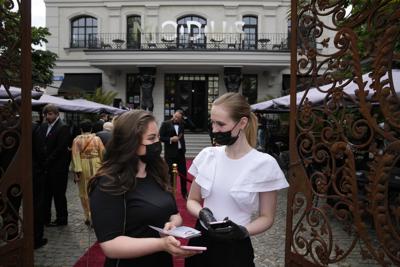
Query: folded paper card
[181,231]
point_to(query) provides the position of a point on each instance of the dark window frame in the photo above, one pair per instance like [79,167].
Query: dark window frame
[133,41]
[185,40]
[250,38]
[88,37]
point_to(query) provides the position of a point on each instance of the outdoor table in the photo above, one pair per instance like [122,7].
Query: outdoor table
[118,43]
[264,42]
[216,42]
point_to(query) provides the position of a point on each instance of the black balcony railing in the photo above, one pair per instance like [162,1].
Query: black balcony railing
[185,41]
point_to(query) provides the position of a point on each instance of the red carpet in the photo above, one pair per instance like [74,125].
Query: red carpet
[94,256]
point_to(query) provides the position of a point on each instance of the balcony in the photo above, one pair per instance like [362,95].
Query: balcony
[183,42]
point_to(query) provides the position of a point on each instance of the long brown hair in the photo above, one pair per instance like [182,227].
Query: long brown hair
[120,164]
[238,107]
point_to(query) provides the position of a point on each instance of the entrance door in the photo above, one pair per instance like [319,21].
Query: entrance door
[191,98]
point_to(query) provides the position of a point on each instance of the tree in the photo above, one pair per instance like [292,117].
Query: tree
[102,97]
[10,50]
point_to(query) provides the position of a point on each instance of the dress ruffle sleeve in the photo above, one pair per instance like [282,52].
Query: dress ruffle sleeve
[203,169]
[264,176]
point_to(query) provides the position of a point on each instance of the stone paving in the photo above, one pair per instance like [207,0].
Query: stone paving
[68,243]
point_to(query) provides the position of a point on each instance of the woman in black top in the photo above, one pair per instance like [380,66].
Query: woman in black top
[131,192]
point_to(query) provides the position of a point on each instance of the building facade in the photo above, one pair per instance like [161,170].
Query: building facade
[164,55]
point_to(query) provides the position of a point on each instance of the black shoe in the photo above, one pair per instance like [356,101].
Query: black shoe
[56,223]
[40,243]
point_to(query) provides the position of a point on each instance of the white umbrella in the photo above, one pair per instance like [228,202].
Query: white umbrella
[99,107]
[16,93]
[63,104]
[316,96]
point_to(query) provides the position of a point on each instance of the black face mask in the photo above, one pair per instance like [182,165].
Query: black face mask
[153,151]
[225,138]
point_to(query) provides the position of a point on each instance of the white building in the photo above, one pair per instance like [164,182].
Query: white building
[185,53]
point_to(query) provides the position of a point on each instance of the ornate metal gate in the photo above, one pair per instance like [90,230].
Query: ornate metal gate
[16,220]
[344,200]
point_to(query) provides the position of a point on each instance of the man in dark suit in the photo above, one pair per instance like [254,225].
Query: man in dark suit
[172,135]
[105,134]
[55,159]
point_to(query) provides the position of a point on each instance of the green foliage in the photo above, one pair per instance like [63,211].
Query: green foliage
[10,51]
[103,97]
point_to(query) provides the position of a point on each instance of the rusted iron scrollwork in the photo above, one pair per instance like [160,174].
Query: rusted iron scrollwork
[16,223]
[344,199]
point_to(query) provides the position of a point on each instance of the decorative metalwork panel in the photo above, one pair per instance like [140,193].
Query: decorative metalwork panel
[16,222]
[344,198]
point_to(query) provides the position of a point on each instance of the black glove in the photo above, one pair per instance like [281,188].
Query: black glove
[231,231]
[206,216]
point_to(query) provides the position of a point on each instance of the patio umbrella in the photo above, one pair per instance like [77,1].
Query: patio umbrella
[16,93]
[76,105]
[101,108]
[317,96]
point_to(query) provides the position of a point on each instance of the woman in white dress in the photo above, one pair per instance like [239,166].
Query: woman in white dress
[232,181]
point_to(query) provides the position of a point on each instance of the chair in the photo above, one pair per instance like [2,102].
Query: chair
[104,45]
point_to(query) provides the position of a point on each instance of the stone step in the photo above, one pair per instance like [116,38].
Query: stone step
[195,142]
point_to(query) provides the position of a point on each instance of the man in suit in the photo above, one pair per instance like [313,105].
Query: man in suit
[55,160]
[172,135]
[105,134]
[38,186]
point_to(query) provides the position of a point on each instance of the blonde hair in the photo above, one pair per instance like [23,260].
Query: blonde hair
[238,107]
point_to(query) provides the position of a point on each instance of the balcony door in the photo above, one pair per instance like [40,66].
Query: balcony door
[191,32]
[133,32]
[250,32]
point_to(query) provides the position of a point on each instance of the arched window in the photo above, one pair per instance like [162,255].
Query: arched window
[133,32]
[83,31]
[250,32]
[189,34]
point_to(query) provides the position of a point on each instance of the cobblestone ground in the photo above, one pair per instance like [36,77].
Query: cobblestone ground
[68,243]
[269,247]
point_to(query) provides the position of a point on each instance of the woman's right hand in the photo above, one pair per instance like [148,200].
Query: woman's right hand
[172,246]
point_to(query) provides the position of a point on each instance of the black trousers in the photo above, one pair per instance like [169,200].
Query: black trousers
[56,187]
[227,253]
[180,160]
[38,192]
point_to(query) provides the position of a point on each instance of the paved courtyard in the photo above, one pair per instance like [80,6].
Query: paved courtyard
[67,244]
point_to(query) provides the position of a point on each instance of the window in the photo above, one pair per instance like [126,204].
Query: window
[83,32]
[249,88]
[250,32]
[133,91]
[194,36]
[133,32]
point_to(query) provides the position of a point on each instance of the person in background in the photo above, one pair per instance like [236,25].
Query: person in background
[98,125]
[55,158]
[131,191]
[87,155]
[172,134]
[38,187]
[262,126]
[232,181]
[105,134]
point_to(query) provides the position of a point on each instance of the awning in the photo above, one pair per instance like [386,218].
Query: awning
[80,83]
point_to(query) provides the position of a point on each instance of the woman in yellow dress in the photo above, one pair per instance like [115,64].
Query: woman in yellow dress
[87,155]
